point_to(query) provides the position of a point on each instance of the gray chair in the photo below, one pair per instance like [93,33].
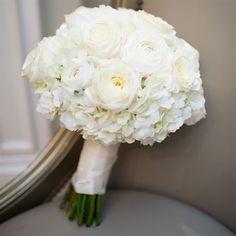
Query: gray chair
[183,186]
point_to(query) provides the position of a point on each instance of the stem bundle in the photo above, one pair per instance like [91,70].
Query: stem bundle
[85,208]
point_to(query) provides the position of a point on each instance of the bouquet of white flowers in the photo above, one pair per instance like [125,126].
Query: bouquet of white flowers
[114,76]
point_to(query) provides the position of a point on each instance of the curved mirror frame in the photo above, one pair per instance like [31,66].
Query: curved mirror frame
[43,166]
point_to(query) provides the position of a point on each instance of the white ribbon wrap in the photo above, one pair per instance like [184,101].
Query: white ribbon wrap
[95,164]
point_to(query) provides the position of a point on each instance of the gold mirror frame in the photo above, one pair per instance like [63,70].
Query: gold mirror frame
[133,4]
[46,162]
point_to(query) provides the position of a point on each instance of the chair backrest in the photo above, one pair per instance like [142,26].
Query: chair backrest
[197,164]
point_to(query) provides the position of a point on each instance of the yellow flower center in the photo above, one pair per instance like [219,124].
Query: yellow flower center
[40,84]
[118,81]
[180,67]
[76,72]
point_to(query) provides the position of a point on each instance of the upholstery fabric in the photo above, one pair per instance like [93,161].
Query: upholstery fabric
[126,213]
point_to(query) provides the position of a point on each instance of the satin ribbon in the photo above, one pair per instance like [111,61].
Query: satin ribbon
[95,164]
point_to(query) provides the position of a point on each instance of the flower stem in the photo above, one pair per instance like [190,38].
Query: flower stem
[82,210]
[86,209]
[78,206]
[99,206]
[91,210]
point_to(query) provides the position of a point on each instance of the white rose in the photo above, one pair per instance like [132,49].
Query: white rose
[70,36]
[114,87]
[41,58]
[184,73]
[77,74]
[186,66]
[103,39]
[79,18]
[95,31]
[101,32]
[82,17]
[155,24]
[146,53]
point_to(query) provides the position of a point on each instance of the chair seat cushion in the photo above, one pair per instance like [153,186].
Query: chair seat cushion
[125,213]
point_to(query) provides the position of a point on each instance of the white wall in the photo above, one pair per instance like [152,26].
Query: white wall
[23,132]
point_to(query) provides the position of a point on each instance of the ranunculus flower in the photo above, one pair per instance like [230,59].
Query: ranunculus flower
[186,66]
[146,53]
[114,86]
[154,24]
[77,74]
[103,39]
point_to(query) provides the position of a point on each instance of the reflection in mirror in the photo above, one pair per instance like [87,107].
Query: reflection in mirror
[23,132]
